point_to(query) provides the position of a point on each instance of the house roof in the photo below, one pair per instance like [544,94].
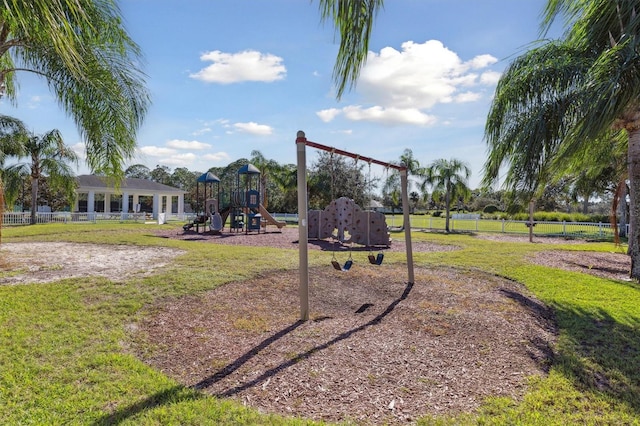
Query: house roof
[94,182]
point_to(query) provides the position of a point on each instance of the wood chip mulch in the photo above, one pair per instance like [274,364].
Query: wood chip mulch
[376,350]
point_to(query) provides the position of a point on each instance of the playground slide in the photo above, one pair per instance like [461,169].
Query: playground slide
[270,219]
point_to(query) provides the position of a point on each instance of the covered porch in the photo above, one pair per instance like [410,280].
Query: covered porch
[97,195]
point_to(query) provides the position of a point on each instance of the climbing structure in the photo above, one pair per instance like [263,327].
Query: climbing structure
[345,221]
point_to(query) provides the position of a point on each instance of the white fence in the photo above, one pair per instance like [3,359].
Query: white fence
[587,230]
[13,218]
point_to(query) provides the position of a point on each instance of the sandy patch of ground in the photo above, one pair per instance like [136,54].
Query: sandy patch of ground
[40,262]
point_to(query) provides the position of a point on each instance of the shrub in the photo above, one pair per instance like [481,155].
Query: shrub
[562,217]
[490,209]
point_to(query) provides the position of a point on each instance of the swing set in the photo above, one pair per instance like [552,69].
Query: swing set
[373,259]
[301,144]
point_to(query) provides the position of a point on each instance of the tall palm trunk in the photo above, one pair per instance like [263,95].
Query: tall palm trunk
[634,200]
[447,202]
[34,199]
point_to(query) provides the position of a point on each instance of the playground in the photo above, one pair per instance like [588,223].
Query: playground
[233,314]
[240,209]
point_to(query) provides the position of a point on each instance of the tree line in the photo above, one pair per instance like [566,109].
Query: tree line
[565,110]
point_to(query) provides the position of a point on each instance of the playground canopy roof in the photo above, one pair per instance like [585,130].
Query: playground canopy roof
[208,177]
[248,169]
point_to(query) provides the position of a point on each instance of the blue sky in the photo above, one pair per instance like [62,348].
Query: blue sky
[229,77]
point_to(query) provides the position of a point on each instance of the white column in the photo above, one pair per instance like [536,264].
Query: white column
[91,202]
[181,206]
[125,203]
[107,203]
[167,205]
[156,205]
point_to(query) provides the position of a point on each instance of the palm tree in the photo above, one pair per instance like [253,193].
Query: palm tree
[267,168]
[80,48]
[448,178]
[12,131]
[391,189]
[286,178]
[414,197]
[563,96]
[48,157]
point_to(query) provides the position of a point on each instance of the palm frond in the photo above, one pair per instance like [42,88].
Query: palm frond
[353,21]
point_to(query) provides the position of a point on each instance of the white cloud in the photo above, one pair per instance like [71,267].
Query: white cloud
[34,102]
[482,61]
[216,156]
[328,115]
[344,132]
[157,151]
[178,160]
[467,97]
[201,131]
[249,65]
[182,144]
[253,128]
[391,116]
[490,77]
[79,149]
[419,76]
[171,156]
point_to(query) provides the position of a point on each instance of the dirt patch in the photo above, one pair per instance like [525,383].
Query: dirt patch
[40,262]
[615,266]
[377,350]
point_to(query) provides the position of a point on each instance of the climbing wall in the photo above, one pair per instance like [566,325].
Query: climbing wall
[344,220]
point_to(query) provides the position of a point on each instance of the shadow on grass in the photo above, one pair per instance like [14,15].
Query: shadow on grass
[168,396]
[602,355]
[543,355]
[181,393]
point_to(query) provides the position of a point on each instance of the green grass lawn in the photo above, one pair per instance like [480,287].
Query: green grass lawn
[63,357]
[547,228]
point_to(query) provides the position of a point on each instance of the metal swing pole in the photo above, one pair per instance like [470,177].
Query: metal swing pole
[303,235]
[407,222]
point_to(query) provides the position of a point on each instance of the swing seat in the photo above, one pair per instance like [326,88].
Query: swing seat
[347,265]
[379,258]
[372,259]
[345,268]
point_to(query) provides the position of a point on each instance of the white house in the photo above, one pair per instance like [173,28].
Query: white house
[97,194]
